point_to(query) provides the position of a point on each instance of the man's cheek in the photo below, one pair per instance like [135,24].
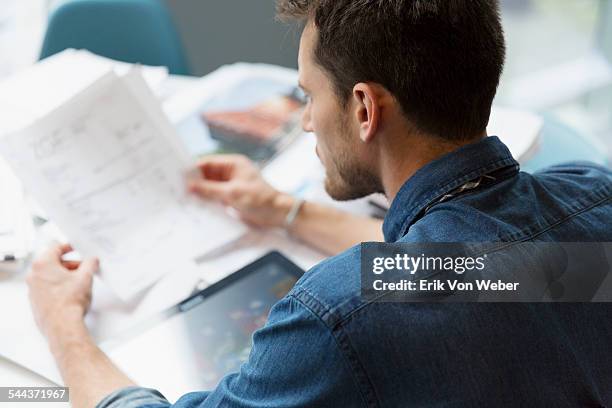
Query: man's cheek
[321,154]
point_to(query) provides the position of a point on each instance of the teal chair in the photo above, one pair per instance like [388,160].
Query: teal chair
[135,31]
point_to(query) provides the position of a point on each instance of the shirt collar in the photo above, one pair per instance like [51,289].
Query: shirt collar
[442,176]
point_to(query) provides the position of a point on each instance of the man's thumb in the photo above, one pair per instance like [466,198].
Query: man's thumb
[89,266]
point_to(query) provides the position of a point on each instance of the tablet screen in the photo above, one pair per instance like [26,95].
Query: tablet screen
[193,345]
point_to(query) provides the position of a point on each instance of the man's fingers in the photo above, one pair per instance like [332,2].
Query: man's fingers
[89,266]
[55,252]
[61,249]
[216,172]
[71,265]
[217,168]
[221,167]
[222,159]
[214,190]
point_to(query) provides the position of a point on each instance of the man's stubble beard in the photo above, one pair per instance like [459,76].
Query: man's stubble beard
[350,179]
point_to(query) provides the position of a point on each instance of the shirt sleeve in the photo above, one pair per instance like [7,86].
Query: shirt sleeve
[294,361]
[134,397]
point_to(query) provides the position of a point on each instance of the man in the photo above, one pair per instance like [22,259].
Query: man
[399,98]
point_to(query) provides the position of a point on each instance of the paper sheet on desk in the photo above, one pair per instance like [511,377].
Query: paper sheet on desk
[109,171]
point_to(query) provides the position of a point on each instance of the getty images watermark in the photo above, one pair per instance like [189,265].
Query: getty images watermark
[487,272]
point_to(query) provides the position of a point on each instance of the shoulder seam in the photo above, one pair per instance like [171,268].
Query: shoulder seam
[525,237]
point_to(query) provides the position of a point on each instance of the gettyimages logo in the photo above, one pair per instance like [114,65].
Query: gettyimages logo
[413,264]
[487,272]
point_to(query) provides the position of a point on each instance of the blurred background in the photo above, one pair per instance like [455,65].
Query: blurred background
[559,51]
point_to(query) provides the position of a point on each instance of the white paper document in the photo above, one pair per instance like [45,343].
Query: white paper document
[33,93]
[110,172]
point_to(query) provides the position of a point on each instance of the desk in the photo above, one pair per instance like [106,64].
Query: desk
[173,288]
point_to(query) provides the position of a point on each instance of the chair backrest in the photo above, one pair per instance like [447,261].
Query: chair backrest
[135,31]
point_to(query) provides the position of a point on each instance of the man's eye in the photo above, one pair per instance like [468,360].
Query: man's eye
[301,95]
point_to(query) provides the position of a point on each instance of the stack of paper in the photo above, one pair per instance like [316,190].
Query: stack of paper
[99,155]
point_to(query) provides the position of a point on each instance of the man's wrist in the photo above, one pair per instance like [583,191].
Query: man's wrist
[283,203]
[293,214]
[66,331]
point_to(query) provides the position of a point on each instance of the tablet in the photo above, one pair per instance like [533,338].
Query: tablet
[192,345]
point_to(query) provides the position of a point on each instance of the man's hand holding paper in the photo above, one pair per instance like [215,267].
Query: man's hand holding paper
[235,181]
[60,291]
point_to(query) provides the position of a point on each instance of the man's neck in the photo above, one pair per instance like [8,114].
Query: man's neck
[399,165]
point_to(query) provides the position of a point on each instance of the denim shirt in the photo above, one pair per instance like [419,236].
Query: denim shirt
[325,346]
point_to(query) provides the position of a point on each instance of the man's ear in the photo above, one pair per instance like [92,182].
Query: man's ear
[367,111]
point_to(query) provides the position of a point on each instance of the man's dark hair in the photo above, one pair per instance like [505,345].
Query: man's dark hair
[441,59]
